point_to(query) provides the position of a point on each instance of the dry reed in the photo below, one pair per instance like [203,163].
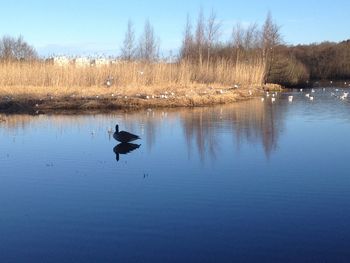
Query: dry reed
[128,78]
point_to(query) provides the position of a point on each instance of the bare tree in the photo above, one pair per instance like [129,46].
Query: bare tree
[212,33]
[149,46]
[187,42]
[271,38]
[237,40]
[251,37]
[245,42]
[16,49]
[200,36]
[128,49]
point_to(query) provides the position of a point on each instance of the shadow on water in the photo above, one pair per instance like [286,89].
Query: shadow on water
[124,148]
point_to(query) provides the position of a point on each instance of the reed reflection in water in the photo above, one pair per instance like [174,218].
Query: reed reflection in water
[250,121]
[203,128]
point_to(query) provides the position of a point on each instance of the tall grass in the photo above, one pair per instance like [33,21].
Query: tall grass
[182,74]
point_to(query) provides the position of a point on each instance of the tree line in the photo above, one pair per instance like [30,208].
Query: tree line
[284,64]
[326,60]
[202,45]
[247,44]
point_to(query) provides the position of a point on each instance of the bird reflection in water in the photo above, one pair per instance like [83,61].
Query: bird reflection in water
[125,148]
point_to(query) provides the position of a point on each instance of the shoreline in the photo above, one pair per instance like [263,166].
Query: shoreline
[81,105]
[75,104]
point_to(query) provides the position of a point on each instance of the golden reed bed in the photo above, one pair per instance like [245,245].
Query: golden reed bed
[134,84]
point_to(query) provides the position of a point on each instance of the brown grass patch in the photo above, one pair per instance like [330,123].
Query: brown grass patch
[41,87]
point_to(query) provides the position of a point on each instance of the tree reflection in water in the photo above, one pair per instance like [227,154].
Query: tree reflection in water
[250,121]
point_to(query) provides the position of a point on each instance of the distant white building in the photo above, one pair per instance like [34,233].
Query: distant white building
[61,61]
[100,62]
[82,62]
[114,61]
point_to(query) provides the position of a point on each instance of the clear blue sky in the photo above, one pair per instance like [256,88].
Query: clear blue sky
[83,26]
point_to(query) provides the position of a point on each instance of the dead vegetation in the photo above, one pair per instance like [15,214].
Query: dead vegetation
[40,86]
[128,77]
[206,71]
[199,96]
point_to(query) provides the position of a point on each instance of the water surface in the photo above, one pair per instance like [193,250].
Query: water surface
[250,182]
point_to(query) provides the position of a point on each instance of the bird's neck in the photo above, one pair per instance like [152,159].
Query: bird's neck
[116,129]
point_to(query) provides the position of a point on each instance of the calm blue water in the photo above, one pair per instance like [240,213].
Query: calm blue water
[249,182]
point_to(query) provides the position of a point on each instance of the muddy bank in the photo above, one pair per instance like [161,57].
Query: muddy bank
[74,104]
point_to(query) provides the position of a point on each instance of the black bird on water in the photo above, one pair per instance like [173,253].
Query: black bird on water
[123,136]
[125,148]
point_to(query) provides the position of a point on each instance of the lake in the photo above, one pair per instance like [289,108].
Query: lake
[255,181]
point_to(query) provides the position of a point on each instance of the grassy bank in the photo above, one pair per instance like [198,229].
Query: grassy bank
[45,87]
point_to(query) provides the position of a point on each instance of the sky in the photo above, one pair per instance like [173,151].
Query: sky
[83,27]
